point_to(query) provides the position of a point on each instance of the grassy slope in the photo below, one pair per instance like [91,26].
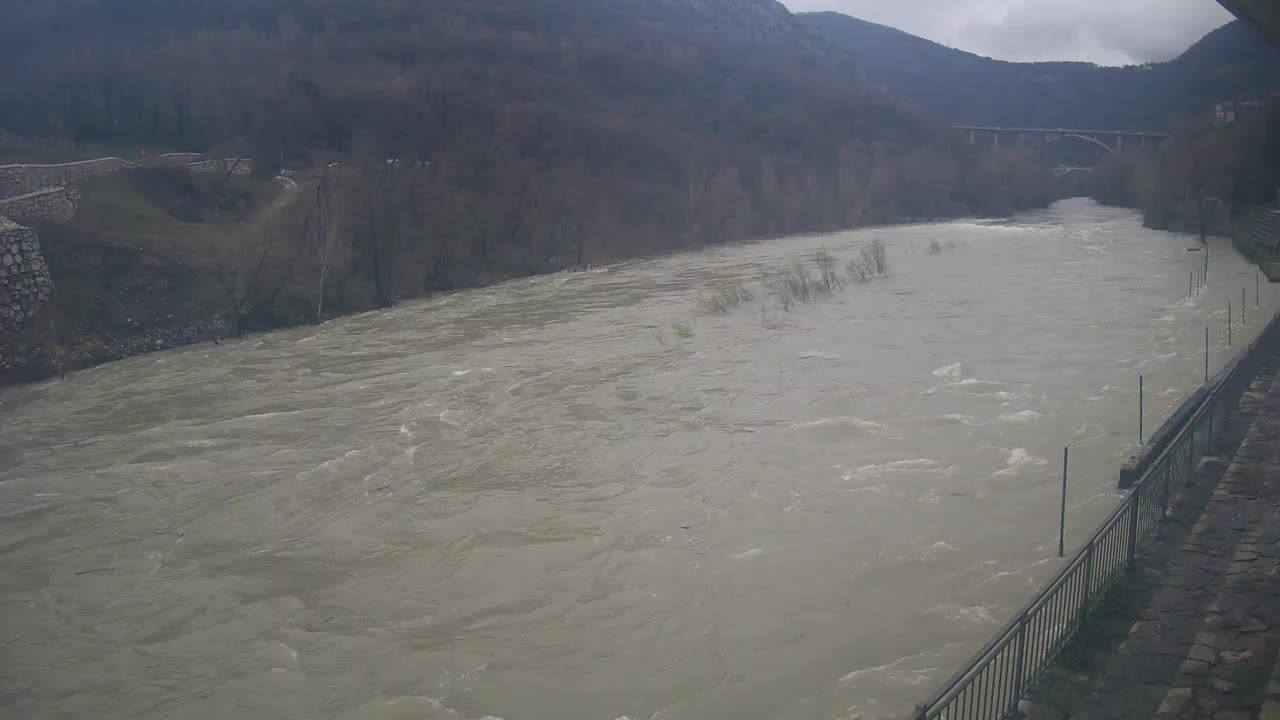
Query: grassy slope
[135,269]
[171,214]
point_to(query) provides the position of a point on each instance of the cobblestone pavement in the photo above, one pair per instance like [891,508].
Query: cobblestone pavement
[1206,645]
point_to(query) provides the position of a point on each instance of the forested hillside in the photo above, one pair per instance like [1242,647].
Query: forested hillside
[530,134]
[1233,62]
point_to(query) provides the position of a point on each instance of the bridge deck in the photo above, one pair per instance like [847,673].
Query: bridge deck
[1075,131]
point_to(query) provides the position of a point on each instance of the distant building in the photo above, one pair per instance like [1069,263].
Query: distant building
[1229,113]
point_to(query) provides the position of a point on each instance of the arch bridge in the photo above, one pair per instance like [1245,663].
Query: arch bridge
[1113,141]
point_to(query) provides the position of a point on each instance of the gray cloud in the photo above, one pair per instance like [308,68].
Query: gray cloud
[1108,32]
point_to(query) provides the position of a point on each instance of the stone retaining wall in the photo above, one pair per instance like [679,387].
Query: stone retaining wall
[18,180]
[54,204]
[23,179]
[237,166]
[24,277]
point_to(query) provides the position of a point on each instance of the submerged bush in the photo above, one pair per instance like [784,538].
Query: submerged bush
[726,296]
[872,262]
[792,285]
[828,277]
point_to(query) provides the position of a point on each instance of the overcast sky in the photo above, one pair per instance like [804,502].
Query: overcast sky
[1107,32]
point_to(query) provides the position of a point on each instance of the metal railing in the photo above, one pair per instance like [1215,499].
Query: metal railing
[1005,669]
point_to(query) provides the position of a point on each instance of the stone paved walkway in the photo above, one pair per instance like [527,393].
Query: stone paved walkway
[1206,645]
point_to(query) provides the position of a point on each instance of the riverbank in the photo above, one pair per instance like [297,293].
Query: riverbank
[1193,631]
[121,295]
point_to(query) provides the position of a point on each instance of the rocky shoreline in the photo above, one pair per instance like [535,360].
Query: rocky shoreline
[30,358]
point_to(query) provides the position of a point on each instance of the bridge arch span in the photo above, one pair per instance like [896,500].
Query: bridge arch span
[1089,139]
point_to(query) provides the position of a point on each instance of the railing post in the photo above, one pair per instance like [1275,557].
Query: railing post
[1133,525]
[1168,486]
[920,712]
[1191,455]
[1088,581]
[1208,438]
[1019,665]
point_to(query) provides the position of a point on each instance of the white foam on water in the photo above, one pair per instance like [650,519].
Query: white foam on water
[1018,459]
[952,371]
[933,551]
[1165,357]
[1025,416]
[405,431]
[1016,572]
[1011,396]
[265,416]
[817,355]
[894,674]
[965,614]
[1089,431]
[461,373]
[332,463]
[976,386]
[878,470]
[976,383]
[749,554]
[847,424]
[963,419]
[292,653]
[879,489]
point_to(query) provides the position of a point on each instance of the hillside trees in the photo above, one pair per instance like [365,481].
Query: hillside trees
[1204,175]
[485,139]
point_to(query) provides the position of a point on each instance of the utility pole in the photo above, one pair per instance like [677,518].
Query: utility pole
[1062,518]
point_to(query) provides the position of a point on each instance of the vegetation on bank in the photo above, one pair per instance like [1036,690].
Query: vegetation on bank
[799,282]
[446,145]
[526,135]
[1208,174]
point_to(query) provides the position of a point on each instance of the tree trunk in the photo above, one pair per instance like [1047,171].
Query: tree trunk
[54,354]
[1200,217]
[324,268]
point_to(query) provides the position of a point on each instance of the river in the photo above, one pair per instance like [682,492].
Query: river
[579,497]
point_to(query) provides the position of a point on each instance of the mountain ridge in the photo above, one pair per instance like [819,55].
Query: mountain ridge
[955,86]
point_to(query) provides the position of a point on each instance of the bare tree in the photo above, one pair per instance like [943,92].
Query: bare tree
[239,272]
[322,232]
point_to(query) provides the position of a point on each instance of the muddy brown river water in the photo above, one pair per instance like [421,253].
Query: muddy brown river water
[538,501]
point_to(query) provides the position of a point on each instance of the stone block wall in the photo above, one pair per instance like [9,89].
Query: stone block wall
[54,204]
[241,166]
[178,159]
[24,277]
[23,179]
